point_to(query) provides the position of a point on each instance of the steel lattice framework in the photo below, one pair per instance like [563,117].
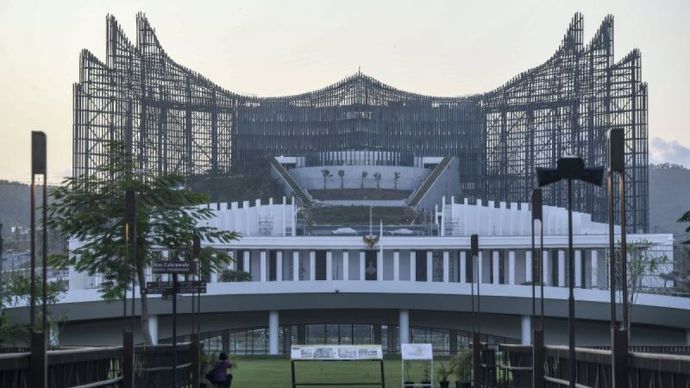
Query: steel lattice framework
[176,121]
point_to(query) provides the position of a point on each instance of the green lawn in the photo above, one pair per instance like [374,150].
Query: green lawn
[275,373]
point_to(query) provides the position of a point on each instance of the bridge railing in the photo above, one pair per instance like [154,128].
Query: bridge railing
[99,367]
[646,370]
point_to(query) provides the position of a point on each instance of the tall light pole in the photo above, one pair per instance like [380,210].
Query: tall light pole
[570,168]
[619,334]
[476,321]
[39,362]
[538,325]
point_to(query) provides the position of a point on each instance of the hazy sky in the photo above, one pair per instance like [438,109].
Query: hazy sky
[285,47]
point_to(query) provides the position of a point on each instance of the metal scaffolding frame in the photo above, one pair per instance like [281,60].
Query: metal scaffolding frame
[176,121]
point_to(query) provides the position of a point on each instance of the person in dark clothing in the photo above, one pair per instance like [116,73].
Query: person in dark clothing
[221,377]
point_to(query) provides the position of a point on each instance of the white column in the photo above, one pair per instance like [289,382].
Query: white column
[546,268]
[578,268]
[262,266]
[312,265]
[446,266]
[396,265]
[153,328]
[379,265]
[273,326]
[429,266]
[480,267]
[495,257]
[329,265]
[404,324]
[528,265]
[362,269]
[526,330]
[594,267]
[295,266]
[463,267]
[214,277]
[413,266]
[279,266]
[511,267]
[561,268]
[346,265]
[246,262]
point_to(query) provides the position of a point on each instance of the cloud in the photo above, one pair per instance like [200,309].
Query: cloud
[664,151]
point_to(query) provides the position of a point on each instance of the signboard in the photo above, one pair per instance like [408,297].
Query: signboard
[174,267]
[336,352]
[183,287]
[416,352]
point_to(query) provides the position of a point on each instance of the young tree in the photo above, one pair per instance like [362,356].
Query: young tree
[341,174]
[396,177]
[326,174]
[90,208]
[364,176]
[377,177]
[642,261]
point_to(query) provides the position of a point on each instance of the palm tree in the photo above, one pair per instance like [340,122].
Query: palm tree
[396,176]
[341,174]
[377,176]
[326,174]
[364,176]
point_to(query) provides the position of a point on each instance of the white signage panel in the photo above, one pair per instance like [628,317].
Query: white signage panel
[416,352]
[336,352]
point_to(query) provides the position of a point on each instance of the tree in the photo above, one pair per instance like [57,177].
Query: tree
[90,208]
[326,174]
[642,261]
[396,176]
[341,174]
[364,176]
[377,177]
[15,288]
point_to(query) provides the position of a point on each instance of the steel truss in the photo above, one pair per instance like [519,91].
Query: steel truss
[176,121]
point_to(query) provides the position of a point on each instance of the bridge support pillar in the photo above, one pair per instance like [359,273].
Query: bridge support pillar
[153,329]
[526,330]
[404,325]
[273,332]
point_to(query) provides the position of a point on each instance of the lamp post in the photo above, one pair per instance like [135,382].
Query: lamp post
[476,322]
[619,334]
[196,356]
[538,328]
[39,370]
[130,249]
[570,168]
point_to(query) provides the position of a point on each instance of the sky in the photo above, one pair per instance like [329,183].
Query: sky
[269,48]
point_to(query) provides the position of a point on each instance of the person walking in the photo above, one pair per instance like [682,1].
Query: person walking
[219,375]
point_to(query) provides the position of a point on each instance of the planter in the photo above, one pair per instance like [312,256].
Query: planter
[409,384]
[463,384]
[426,384]
[444,384]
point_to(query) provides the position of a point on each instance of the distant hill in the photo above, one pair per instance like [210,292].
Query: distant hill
[669,198]
[14,204]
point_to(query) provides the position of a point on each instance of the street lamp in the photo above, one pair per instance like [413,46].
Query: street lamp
[619,334]
[570,168]
[476,322]
[538,328]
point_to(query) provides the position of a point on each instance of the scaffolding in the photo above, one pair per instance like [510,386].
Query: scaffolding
[174,120]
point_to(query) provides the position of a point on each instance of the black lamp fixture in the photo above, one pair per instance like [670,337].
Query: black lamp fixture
[570,168]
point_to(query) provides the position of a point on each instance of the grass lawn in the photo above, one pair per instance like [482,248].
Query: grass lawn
[275,373]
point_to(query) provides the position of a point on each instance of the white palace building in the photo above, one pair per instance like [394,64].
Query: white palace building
[376,282]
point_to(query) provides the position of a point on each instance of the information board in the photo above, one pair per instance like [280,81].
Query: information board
[336,352]
[416,352]
[173,267]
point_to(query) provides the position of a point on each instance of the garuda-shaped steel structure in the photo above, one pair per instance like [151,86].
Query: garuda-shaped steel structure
[175,120]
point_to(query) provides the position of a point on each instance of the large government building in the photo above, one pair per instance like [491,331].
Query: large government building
[176,120]
[382,188]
